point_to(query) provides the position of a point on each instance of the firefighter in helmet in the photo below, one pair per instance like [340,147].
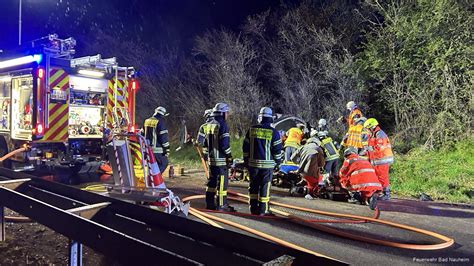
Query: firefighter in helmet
[217,143]
[380,154]
[262,153]
[156,133]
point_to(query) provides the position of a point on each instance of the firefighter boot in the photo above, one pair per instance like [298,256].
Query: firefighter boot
[254,207]
[373,201]
[210,200]
[386,194]
[356,197]
[226,208]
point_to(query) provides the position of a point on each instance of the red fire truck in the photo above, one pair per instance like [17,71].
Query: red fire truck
[62,107]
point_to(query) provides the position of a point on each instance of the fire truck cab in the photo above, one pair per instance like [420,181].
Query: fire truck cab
[63,108]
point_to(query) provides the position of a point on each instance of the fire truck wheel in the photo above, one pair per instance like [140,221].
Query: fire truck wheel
[4,150]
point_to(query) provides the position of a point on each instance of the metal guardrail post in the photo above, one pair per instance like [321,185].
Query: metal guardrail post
[75,253]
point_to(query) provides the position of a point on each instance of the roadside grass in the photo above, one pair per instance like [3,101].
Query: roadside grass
[445,174]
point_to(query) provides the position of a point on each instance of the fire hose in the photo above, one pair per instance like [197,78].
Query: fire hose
[447,242]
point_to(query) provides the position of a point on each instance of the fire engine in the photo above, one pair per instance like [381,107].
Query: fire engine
[61,107]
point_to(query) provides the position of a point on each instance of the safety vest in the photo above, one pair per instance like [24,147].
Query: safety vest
[356,113]
[262,147]
[330,150]
[381,148]
[156,134]
[201,137]
[358,174]
[295,135]
[217,142]
[354,137]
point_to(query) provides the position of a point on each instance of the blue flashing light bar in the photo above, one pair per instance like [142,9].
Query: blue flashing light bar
[22,60]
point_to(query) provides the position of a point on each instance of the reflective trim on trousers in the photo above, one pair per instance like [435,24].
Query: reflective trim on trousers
[385,160]
[365,185]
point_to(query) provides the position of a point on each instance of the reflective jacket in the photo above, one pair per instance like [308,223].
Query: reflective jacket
[330,150]
[201,137]
[217,141]
[262,147]
[358,174]
[353,138]
[156,133]
[353,115]
[295,135]
[380,149]
[310,157]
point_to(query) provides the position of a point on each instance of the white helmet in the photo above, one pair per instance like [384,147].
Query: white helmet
[161,110]
[221,108]
[313,133]
[207,113]
[322,122]
[351,105]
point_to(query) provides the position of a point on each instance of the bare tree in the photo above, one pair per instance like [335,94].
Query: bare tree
[229,66]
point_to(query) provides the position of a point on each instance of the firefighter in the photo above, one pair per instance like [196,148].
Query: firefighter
[358,176]
[262,154]
[354,137]
[380,154]
[156,133]
[323,126]
[217,142]
[201,133]
[293,141]
[311,159]
[353,114]
[331,155]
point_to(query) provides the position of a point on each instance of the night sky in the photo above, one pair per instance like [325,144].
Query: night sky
[155,22]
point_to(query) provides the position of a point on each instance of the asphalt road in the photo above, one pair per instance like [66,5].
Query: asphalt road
[455,221]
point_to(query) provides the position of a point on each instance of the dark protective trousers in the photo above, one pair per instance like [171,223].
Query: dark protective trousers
[162,161]
[216,192]
[330,167]
[259,189]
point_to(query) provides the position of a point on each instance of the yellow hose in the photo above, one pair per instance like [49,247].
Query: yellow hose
[446,240]
[255,232]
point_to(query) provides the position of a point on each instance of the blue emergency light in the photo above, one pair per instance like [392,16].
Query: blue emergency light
[21,61]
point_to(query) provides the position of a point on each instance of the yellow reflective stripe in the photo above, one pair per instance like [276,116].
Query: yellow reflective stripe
[151,122]
[261,133]
[221,190]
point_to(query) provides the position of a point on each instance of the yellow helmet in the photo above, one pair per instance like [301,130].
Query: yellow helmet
[371,123]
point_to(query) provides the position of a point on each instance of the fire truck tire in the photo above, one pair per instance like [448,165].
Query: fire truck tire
[3,151]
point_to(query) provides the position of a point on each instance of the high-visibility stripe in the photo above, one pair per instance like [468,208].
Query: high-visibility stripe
[367,170]
[58,119]
[221,190]
[357,186]
[122,99]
